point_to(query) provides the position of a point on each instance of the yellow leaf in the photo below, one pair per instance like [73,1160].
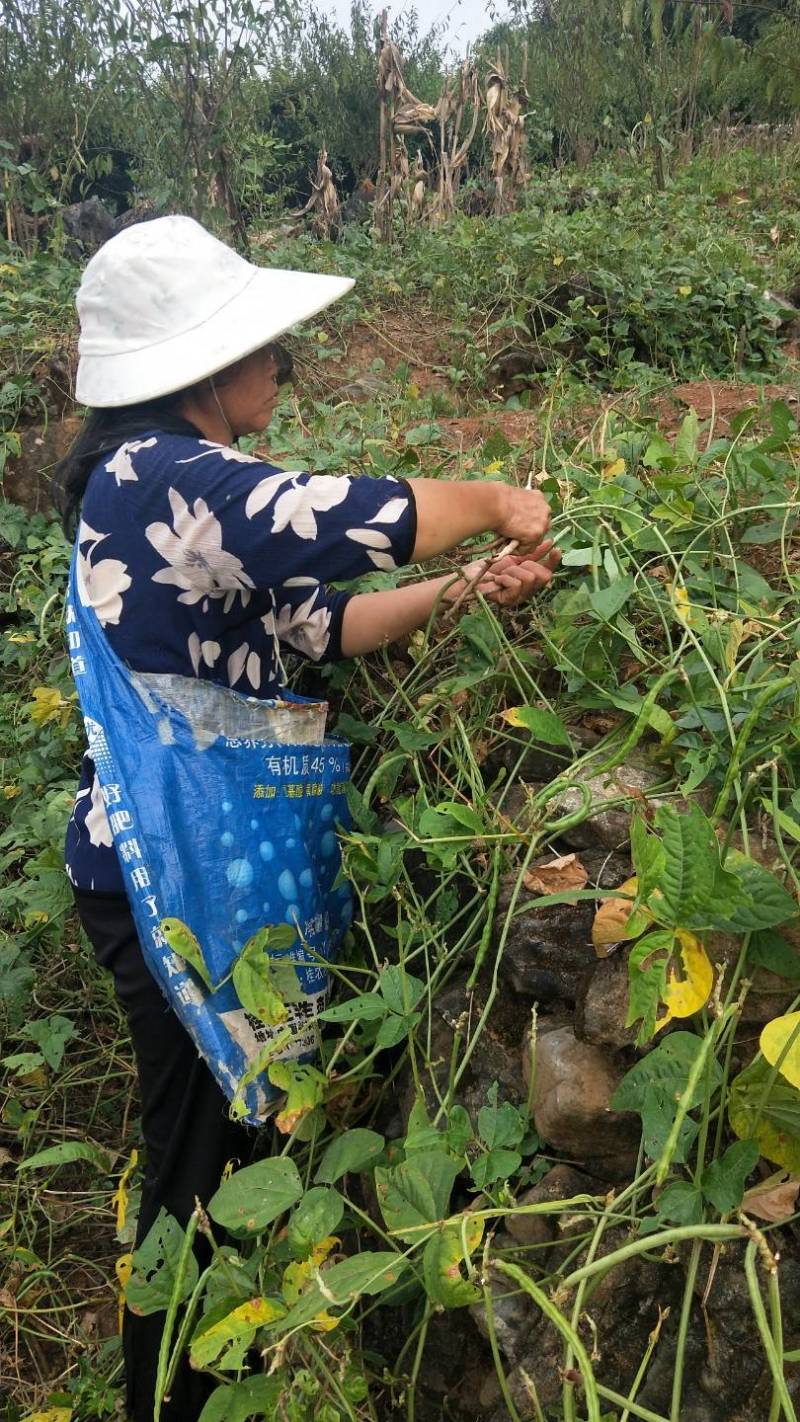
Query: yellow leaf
[49,705]
[10,792]
[51,1414]
[685,995]
[494,468]
[684,291]
[412,390]
[774,1039]
[227,1171]
[36,916]
[557,261]
[120,1196]
[681,605]
[616,467]
[123,1270]
[300,1275]
[20,639]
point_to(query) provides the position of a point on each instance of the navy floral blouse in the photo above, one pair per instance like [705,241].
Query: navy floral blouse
[203,561]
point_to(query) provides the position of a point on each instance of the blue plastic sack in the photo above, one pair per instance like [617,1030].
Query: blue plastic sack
[222,822]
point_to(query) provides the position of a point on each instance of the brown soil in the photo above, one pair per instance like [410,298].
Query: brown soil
[415,339]
[718,400]
[518,427]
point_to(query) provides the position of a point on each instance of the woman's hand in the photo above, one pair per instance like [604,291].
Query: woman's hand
[512,579]
[524,516]
[448,512]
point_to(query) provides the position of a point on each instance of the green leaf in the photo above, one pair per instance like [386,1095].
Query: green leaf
[724,1180]
[395,1028]
[686,442]
[416,1193]
[658,1117]
[400,991]
[255,1196]
[494,1165]
[543,725]
[65,1154]
[183,942]
[423,434]
[667,1065]
[318,1215]
[257,1396]
[695,892]
[500,1125]
[767,1114]
[367,1007]
[354,1150]
[51,1035]
[607,602]
[349,729]
[459,1131]
[681,1202]
[769,950]
[371,1272]
[647,973]
[155,1265]
[653,1086]
[764,904]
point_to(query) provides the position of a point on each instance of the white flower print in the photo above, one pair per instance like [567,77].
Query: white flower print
[295,508]
[306,631]
[225,451]
[236,663]
[265,490]
[97,820]
[121,464]
[242,661]
[101,584]
[375,543]
[198,562]
[207,652]
[390,512]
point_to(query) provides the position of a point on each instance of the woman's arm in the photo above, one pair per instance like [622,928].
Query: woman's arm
[371,620]
[450,511]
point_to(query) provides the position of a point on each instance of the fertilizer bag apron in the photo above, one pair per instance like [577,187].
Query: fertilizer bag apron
[223,810]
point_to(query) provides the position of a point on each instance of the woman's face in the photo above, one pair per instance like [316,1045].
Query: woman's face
[249,393]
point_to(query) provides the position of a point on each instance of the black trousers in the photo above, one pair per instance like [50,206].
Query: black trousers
[188,1136]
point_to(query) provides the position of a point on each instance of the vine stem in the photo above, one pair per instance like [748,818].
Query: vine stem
[774,1358]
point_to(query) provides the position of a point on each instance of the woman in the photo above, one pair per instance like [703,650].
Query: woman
[200,560]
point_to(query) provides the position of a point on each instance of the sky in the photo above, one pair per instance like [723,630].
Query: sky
[465,19]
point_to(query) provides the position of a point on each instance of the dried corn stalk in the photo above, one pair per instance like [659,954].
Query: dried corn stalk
[505,128]
[324,200]
[457,111]
[401,113]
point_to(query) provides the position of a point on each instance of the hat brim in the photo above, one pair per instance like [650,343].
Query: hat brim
[269,305]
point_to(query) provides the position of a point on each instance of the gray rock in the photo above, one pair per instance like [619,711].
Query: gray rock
[606,824]
[515,1315]
[602,1003]
[560,1183]
[90,223]
[573,1086]
[548,951]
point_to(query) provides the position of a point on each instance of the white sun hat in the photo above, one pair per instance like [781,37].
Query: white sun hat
[164,304]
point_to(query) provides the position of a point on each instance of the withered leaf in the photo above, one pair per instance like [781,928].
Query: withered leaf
[565,872]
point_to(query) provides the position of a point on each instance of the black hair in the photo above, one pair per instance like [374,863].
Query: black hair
[104,431]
